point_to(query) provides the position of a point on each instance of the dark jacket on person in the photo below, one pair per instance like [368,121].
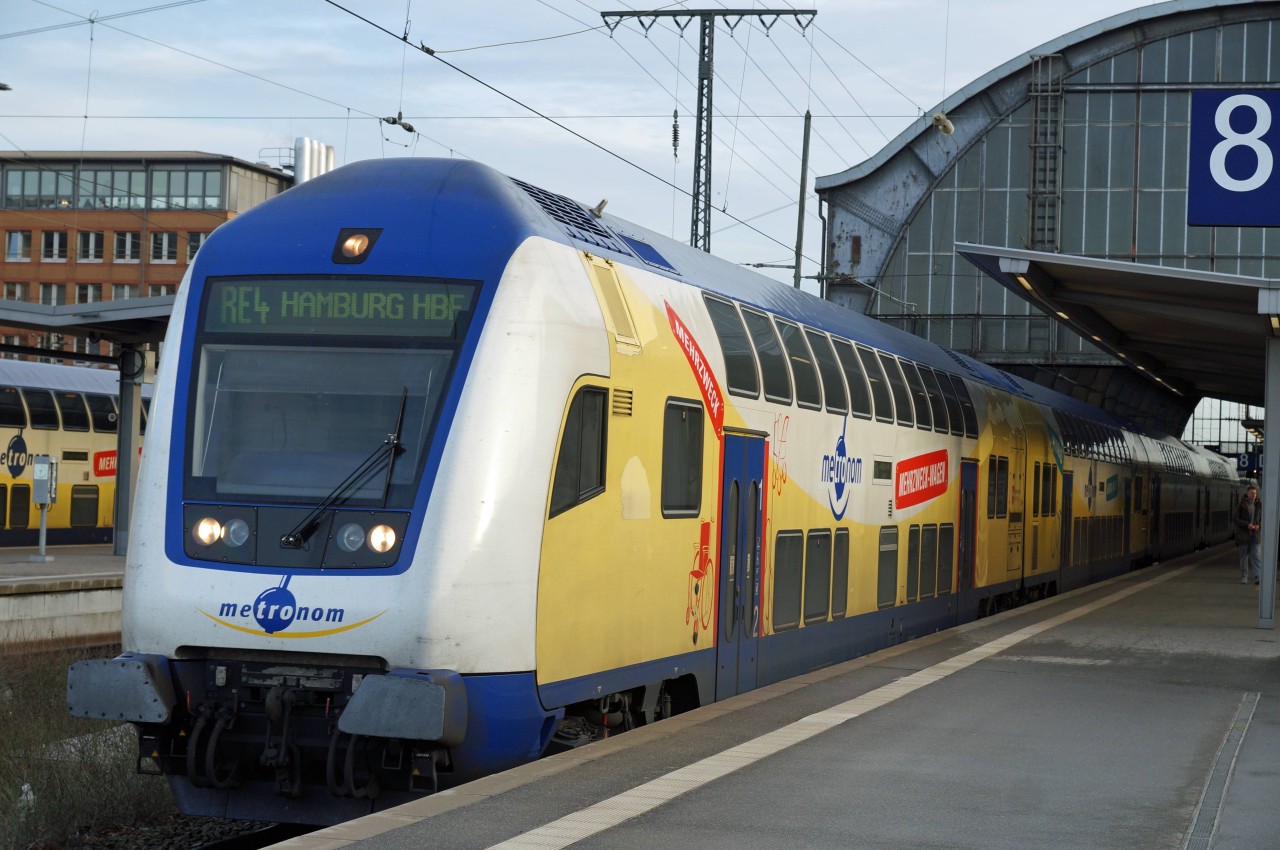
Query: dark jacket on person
[1247,515]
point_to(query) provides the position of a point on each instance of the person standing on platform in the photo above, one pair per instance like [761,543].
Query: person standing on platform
[1248,536]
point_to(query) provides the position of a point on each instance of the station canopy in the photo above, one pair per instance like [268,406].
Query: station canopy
[1200,334]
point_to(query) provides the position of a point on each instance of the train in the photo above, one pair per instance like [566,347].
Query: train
[447,471]
[69,414]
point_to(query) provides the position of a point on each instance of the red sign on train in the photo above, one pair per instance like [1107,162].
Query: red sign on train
[921,478]
[104,464]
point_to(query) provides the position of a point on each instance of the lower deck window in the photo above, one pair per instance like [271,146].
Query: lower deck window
[788,561]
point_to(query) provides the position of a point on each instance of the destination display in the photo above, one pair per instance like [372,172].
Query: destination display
[338,306]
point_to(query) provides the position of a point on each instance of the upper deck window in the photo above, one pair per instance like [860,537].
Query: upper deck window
[739,362]
[773,365]
[808,393]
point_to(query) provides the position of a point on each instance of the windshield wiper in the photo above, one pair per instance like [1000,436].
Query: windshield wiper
[389,449]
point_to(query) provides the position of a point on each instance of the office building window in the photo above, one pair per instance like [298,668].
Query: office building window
[128,246]
[90,249]
[54,246]
[186,190]
[38,188]
[17,246]
[194,241]
[88,293]
[157,289]
[107,189]
[124,291]
[10,339]
[15,291]
[164,247]
[53,294]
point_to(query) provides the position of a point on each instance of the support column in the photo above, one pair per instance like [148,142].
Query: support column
[132,365]
[1270,490]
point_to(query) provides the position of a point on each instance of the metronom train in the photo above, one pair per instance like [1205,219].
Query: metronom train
[446,471]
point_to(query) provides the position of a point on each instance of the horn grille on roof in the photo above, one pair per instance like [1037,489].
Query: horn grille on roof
[577,223]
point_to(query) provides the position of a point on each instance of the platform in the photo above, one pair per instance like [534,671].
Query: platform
[1142,712]
[73,599]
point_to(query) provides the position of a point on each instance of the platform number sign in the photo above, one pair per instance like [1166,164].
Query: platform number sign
[1232,176]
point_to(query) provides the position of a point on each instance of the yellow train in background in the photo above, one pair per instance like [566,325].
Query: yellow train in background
[71,415]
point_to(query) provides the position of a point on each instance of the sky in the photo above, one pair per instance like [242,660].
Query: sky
[246,79]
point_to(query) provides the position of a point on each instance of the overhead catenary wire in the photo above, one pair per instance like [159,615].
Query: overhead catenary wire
[429,52]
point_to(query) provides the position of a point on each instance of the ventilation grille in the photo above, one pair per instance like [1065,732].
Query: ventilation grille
[576,221]
[623,401]
[623,328]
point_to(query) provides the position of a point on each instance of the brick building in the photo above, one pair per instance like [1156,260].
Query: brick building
[84,227]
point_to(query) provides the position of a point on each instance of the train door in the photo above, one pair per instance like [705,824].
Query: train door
[1157,484]
[1065,552]
[739,579]
[968,524]
[1127,522]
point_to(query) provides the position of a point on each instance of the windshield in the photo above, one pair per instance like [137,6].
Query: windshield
[281,413]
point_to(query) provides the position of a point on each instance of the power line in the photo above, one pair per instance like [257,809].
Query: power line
[428,51]
[88,20]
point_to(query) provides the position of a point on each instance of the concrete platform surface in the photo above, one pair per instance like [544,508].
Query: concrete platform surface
[1143,712]
[69,568]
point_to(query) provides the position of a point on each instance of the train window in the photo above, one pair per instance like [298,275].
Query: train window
[887,567]
[4,504]
[991,487]
[808,393]
[924,415]
[969,415]
[773,365]
[840,574]
[735,345]
[1138,491]
[580,462]
[1002,487]
[936,403]
[946,550]
[952,401]
[829,370]
[1053,491]
[787,562]
[913,563]
[879,385]
[898,384]
[859,392]
[682,459]
[1046,505]
[44,416]
[75,416]
[12,413]
[929,562]
[20,506]
[102,410]
[146,414]
[84,506]
[1035,490]
[817,576]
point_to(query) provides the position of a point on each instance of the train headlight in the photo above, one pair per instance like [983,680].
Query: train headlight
[382,538]
[350,537]
[235,533]
[208,531]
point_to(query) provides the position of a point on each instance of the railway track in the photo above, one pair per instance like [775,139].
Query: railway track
[258,838]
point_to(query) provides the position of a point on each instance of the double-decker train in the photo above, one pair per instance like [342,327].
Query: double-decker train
[446,471]
[69,414]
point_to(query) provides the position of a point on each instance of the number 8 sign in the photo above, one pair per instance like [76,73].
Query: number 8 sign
[1229,177]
